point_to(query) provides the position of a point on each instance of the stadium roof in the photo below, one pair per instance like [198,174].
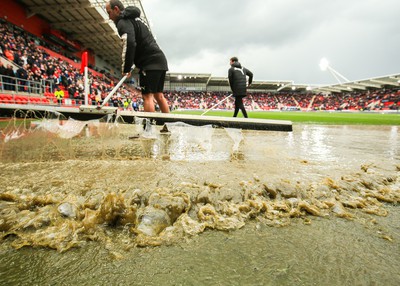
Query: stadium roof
[85,21]
[193,78]
[388,81]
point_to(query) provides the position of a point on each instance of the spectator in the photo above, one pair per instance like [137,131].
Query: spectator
[22,74]
[59,94]
[9,78]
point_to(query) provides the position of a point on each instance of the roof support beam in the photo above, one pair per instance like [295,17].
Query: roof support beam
[353,86]
[385,82]
[329,88]
[369,84]
[60,7]
[97,39]
[208,80]
[75,23]
[332,90]
[285,86]
[91,35]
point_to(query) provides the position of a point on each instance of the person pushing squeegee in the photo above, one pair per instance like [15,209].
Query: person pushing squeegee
[140,49]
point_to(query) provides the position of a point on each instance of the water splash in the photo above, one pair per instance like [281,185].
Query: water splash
[237,137]
[64,129]
[191,143]
[145,128]
[15,134]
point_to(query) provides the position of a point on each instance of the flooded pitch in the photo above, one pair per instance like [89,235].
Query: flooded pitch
[104,203]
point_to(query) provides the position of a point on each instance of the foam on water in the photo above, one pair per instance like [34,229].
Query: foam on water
[318,205]
[162,187]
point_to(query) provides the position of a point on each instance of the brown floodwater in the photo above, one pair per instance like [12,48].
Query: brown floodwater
[97,203]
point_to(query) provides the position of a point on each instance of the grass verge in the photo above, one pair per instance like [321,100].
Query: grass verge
[315,117]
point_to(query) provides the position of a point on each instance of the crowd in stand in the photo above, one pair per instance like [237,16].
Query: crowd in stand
[385,99]
[34,65]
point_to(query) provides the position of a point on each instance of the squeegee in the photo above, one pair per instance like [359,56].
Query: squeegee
[102,108]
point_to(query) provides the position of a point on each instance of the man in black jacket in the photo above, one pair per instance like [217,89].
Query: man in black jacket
[140,49]
[10,78]
[237,76]
[22,74]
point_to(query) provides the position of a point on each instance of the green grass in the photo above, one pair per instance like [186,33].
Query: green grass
[5,122]
[319,118]
[315,117]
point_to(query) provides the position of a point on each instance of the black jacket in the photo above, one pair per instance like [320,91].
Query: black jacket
[22,73]
[237,79]
[139,46]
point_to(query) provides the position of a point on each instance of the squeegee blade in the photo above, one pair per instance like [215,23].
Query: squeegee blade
[97,109]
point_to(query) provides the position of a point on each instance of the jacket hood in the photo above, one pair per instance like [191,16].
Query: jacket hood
[131,12]
[237,65]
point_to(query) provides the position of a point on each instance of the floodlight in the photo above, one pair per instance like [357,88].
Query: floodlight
[324,64]
[180,77]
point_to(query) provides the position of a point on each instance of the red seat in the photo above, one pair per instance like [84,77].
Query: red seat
[22,99]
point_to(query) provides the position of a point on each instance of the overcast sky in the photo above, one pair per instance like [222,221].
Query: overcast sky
[279,39]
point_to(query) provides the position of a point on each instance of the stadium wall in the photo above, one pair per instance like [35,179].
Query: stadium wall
[16,14]
[102,65]
[178,86]
[218,88]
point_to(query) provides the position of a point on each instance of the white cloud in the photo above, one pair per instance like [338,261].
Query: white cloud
[279,39]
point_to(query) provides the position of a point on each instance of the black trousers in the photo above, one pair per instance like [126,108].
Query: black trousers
[239,105]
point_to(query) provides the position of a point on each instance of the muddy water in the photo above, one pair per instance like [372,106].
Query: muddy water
[116,204]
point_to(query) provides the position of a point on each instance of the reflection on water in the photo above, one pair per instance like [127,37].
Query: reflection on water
[318,205]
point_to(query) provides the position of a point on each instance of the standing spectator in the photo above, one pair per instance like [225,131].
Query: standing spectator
[237,76]
[2,74]
[135,105]
[59,94]
[17,58]
[9,54]
[24,58]
[140,49]
[72,91]
[22,75]
[115,101]
[50,70]
[10,78]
